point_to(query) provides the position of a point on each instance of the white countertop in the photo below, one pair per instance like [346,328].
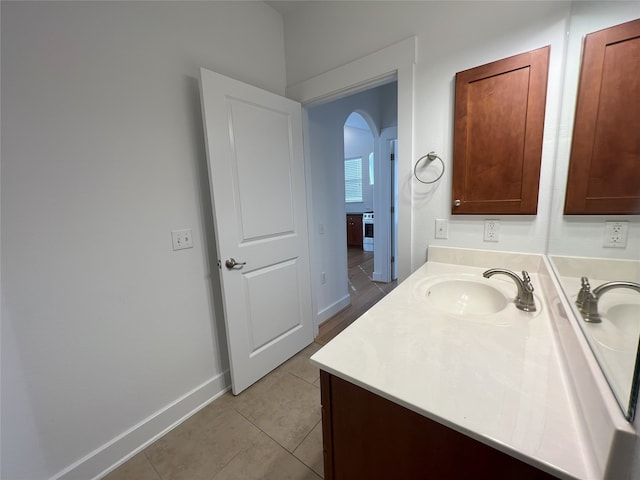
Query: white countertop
[498,379]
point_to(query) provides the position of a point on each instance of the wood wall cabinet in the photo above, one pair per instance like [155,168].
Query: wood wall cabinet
[367,436]
[604,167]
[498,127]
[354,230]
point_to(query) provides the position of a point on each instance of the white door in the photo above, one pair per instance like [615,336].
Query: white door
[257,180]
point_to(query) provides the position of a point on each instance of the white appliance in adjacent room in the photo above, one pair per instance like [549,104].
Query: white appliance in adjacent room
[367,231]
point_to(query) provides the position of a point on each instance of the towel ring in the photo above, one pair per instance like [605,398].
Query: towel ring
[431,156]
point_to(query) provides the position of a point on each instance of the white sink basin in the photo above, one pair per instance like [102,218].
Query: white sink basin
[625,316]
[620,327]
[466,297]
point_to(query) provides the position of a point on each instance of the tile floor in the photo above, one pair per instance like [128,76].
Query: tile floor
[272,430]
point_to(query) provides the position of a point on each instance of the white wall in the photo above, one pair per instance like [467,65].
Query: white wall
[451,36]
[108,335]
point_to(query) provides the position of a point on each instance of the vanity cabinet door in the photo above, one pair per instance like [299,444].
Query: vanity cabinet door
[369,437]
[604,168]
[498,127]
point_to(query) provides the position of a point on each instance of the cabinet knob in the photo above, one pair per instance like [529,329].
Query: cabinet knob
[457,203]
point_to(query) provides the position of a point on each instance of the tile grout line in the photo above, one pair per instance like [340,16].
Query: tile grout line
[259,428]
[152,465]
[277,442]
[304,379]
[282,446]
[299,459]
[229,462]
[306,436]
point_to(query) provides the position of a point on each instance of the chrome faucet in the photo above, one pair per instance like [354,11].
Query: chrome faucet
[524,300]
[589,305]
[585,290]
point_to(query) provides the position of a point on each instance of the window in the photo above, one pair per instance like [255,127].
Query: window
[371,180]
[353,180]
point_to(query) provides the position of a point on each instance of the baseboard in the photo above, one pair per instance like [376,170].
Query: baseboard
[112,454]
[336,307]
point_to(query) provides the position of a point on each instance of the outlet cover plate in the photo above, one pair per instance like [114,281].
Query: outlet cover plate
[615,234]
[491,231]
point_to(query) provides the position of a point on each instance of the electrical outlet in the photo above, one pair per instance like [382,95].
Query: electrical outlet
[181,239]
[442,228]
[615,234]
[491,230]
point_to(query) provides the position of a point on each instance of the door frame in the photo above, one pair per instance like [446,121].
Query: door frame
[395,62]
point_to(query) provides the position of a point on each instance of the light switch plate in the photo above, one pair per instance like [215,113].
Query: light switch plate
[442,228]
[181,239]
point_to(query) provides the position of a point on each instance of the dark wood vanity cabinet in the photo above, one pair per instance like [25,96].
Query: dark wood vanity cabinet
[367,436]
[604,167]
[354,230]
[498,127]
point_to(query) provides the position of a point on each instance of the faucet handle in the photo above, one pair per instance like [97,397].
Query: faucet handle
[526,301]
[526,281]
[584,292]
[589,308]
[585,283]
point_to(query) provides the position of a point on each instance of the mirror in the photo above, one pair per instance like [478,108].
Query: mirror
[576,242]
[614,336]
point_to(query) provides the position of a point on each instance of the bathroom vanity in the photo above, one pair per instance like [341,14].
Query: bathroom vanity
[368,436]
[440,381]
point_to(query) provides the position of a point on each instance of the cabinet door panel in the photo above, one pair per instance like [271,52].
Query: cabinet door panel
[499,121]
[496,129]
[604,169]
[366,436]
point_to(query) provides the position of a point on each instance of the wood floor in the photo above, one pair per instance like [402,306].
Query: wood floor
[363,291]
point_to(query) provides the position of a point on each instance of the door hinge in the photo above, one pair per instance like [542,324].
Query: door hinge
[393,259]
[392,157]
[393,210]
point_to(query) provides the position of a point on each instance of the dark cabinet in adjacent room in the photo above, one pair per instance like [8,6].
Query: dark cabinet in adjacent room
[354,230]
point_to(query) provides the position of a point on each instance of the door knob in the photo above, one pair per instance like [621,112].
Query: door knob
[457,203]
[231,263]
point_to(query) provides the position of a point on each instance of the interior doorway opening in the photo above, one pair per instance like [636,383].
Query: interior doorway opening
[359,181]
[351,142]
